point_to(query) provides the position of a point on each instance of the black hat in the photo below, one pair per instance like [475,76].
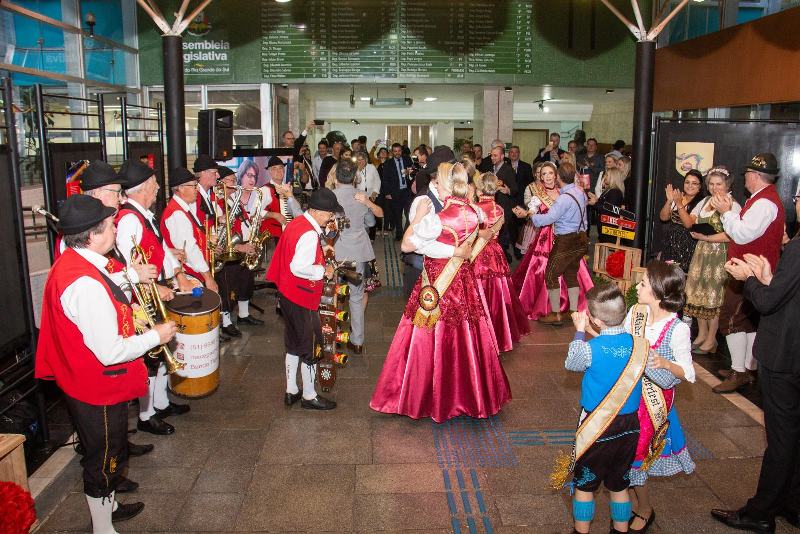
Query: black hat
[224,172]
[764,162]
[134,172]
[323,199]
[204,162]
[180,176]
[99,174]
[275,161]
[80,212]
[440,154]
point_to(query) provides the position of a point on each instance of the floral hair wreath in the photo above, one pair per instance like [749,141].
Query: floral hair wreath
[719,170]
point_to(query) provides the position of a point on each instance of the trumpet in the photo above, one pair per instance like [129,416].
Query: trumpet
[227,239]
[154,310]
[211,246]
[257,239]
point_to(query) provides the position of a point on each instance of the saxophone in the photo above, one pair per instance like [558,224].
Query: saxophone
[154,311]
[257,239]
[226,239]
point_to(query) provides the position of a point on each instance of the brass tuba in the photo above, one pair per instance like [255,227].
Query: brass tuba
[154,310]
[257,239]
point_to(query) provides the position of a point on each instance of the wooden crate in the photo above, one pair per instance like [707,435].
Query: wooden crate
[633,258]
[12,460]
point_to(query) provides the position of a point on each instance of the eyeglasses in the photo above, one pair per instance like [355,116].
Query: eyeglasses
[118,192]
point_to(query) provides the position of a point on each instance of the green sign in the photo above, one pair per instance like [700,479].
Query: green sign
[568,42]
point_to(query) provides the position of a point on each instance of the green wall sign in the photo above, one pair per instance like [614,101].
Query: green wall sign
[566,42]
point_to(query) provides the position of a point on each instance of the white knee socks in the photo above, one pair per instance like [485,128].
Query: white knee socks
[573,293]
[555,299]
[226,319]
[309,373]
[244,308]
[292,363]
[100,509]
[737,346]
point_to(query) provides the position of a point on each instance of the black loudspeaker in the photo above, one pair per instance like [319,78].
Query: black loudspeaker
[215,133]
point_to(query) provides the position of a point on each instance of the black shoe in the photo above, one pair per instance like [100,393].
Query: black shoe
[139,450]
[232,331]
[318,403]
[291,398]
[648,522]
[791,517]
[126,485]
[173,409]
[739,520]
[154,425]
[357,349]
[126,511]
[223,338]
[250,320]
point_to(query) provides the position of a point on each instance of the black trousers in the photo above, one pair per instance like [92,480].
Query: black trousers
[235,282]
[410,276]
[103,431]
[302,330]
[779,481]
[397,207]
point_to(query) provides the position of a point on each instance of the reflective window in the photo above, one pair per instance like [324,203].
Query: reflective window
[245,104]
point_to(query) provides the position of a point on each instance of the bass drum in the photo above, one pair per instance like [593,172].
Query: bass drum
[197,343]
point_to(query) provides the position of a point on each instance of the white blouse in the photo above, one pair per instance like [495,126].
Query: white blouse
[680,343]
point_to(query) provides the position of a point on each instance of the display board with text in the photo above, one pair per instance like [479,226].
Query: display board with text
[568,42]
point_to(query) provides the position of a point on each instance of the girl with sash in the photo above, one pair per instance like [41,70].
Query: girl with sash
[661,450]
[443,361]
[528,278]
[490,267]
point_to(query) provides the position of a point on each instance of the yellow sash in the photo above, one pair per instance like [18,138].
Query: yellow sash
[481,242]
[595,424]
[430,294]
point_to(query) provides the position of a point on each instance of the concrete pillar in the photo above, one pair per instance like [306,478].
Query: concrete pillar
[493,116]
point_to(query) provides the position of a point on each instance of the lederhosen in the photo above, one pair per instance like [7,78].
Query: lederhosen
[235,281]
[566,254]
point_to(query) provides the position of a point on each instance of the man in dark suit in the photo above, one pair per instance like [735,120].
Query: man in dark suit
[552,152]
[289,141]
[777,349]
[523,171]
[506,197]
[395,187]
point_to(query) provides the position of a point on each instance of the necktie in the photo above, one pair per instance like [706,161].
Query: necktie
[400,173]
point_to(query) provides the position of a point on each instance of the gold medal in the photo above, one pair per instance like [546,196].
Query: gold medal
[428,298]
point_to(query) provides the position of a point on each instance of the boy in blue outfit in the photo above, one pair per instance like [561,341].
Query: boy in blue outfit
[612,389]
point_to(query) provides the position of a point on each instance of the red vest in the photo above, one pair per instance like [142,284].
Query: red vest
[305,293]
[769,244]
[153,249]
[62,355]
[270,224]
[113,265]
[198,232]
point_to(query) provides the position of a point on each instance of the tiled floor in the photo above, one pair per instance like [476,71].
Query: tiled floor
[241,462]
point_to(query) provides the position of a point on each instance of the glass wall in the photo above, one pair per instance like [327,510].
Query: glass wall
[707,16]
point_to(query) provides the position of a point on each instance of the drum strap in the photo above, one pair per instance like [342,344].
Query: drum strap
[598,420]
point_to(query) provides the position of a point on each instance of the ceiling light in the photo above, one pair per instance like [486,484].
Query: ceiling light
[430,99]
[508,89]
[354,121]
[546,109]
[609,91]
[365,99]
[283,1]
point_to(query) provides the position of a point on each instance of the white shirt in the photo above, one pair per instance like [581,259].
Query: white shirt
[753,224]
[129,229]
[705,209]
[425,234]
[680,342]
[369,180]
[294,206]
[85,302]
[316,163]
[209,204]
[305,252]
[182,235]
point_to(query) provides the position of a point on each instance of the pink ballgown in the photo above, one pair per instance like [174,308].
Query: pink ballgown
[508,318]
[452,368]
[528,277]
